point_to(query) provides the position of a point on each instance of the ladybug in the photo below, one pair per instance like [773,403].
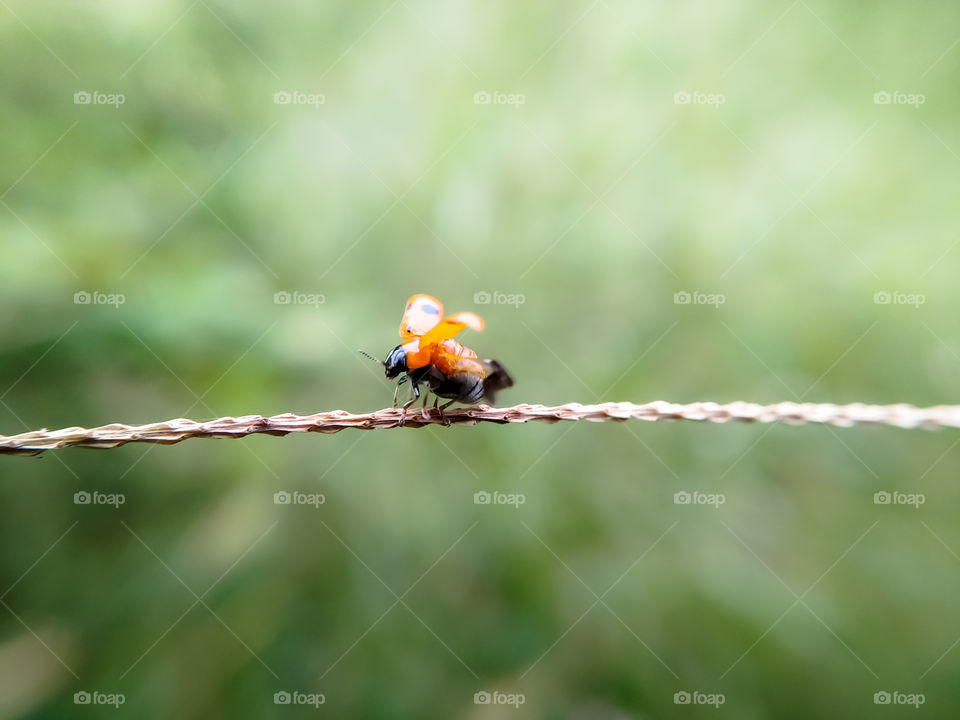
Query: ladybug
[428,355]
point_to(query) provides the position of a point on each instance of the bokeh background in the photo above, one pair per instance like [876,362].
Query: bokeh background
[592,160]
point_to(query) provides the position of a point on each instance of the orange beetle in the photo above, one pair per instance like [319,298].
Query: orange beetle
[429,355]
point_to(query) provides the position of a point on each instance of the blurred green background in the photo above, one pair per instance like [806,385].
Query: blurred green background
[586,185]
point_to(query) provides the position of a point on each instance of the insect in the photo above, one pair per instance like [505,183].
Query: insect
[428,355]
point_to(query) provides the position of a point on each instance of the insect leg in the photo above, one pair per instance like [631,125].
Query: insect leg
[443,417]
[416,395]
[401,381]
[408,403]
[423,407]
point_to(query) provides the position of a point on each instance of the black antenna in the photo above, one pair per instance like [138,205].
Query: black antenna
[366,354]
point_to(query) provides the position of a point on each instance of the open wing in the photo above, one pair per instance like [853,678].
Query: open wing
[469,319]
[421,314]
[450,326]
